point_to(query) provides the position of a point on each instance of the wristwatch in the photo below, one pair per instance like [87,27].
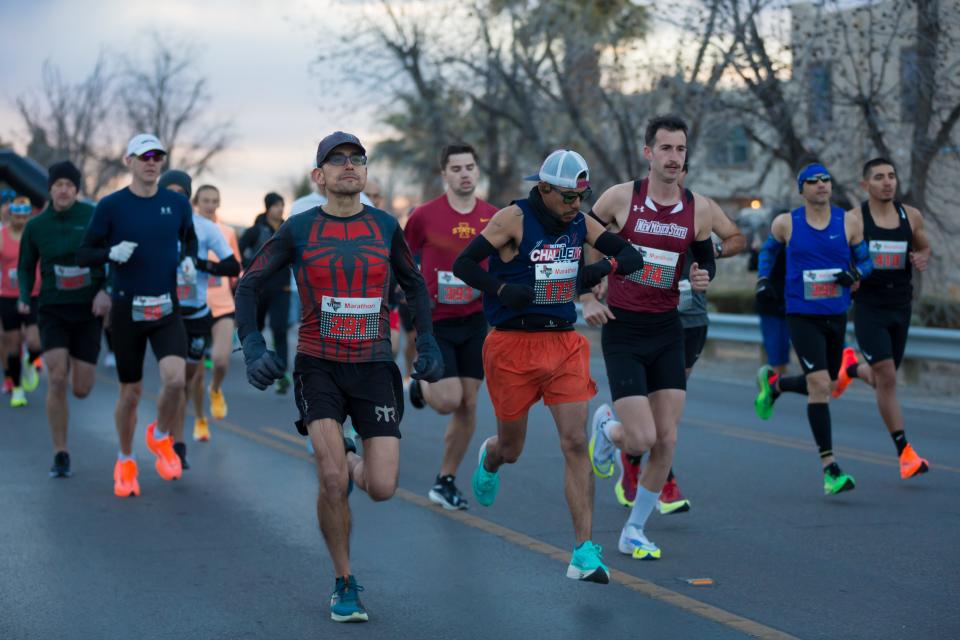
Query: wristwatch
[718,249]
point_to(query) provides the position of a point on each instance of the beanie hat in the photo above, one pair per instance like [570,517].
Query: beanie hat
[65,169]
[179,178]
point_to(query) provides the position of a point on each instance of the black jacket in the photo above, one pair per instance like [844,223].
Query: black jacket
[250,243]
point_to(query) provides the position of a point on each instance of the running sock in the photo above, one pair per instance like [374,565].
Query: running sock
[642,507]
[670,475]
[899,439]
[833,469]
[14,368]
[123,457]
[852,370]
[33,355]
[818,413]
[793,384]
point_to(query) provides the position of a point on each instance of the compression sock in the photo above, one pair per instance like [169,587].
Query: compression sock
[899,439]
[793,384]
[818,413]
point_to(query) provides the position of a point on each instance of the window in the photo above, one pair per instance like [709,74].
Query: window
[820,93]
[909,83]
[730,147]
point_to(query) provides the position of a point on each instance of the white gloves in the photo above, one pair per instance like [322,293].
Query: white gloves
[188,269]
[122,251]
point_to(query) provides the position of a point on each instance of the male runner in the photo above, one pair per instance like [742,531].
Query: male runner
[192,296]
[881,313]
[342,255]
[437,232]
[534,247]
[145,232]
[820,240]
[643,342]
[19,325]
[72,302]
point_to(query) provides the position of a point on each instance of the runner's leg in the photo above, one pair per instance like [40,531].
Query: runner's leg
[570,419]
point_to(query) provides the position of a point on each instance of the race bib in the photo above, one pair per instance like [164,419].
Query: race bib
[453,290]
[659,268]
[148,308]
[888,254]
[186,287]
[686,296]
[350,318]
[213,281]
[71,278]
[818,284]
[11,275]
[556,282]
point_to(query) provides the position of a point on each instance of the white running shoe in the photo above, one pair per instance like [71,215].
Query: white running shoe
[602,450]
[634,542]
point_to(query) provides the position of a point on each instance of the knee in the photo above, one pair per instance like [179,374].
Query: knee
[636,444]
[175,382]
[468,406]
[380,490]
[57,381]
[446,404]
[130,396]
[885,377]
[509,452]
[334,484]
[574,446]
[818,387]
[81,390]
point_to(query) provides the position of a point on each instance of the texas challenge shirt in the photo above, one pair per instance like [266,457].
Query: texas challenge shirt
[437,233]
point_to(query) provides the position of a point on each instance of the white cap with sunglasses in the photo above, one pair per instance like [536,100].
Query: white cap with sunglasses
[142,143]
[563,168]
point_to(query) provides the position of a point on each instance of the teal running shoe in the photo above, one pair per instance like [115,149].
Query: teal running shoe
[763,404]
[586,564]
[345,605]
[485,484]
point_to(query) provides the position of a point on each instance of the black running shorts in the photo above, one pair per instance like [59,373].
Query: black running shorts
[11,319]
[371,393]
[643,353]
[461,343]
[818,341]
[881,333]
[72,327]
[167,337]
[199,336]
[694,340]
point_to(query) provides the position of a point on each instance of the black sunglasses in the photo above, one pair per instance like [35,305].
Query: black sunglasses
[816,179]
[152,155]
[569,197]
[340,159]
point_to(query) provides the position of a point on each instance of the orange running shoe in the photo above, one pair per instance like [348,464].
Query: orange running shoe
[125,479]
[168,462]
[843,380]
[218,404]
[201,430]
[911,464]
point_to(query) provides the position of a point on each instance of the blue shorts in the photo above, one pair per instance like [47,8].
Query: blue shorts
[776,339]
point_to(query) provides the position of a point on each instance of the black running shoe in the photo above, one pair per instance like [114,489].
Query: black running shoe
[61,465]
[416,395]
[180,448]
[446,494]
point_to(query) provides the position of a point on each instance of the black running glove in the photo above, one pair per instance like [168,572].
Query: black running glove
[846,278]
[765,290]
[516,296]
[429,363]
[263,366]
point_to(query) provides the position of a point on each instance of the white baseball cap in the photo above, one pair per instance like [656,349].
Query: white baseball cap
[563,168]
[143,142]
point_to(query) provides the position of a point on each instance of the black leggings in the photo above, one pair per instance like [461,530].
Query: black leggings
[277,304]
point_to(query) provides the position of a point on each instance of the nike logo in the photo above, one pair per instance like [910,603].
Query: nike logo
[835,237]
[866,355]
[484,219]
[808,364]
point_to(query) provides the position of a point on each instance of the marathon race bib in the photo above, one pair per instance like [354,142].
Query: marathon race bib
[350,318]
[453,290]
[888,254]
[186,287]
[71,278]
[556,282]
[659,268]
[686,296]
[819,284]
[148,308]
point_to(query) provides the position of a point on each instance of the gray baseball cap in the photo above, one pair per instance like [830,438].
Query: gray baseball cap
[562,168]
[334,140]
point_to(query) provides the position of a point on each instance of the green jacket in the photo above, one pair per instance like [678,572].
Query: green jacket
[53,238]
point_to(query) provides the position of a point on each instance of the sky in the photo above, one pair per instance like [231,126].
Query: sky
[256,55]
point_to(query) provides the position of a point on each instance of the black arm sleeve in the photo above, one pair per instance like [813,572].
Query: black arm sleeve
[703,252]
[226,267]
[616,247]
[410,279]
[94,250]
[189,245]
[467,266]
[247,240]
[274,255]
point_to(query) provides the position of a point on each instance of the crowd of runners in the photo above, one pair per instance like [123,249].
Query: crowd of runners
[482,293]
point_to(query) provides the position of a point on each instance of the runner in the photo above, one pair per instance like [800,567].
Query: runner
[534,246]
[643,341]
[437,232]
[145,232]
[220,299]
[342,255]
[820,240]
[192,296]
[71,305]
[19,324]
[881,314]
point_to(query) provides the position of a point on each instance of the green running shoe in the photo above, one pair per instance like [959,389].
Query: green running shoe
[837,483]
[485,484]
[345,603]
[586,564]
[29,379]
[763,405]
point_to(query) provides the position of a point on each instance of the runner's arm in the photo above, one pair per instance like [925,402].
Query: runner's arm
[920,256]
[274,255]
[773,246]
[227,266]
[94,250]
[501,231]
[732,241]
[27,264]
[621,257]
[858,245]
[410,279]
[189,245]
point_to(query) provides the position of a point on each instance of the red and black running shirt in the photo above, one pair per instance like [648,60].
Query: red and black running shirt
[342,267]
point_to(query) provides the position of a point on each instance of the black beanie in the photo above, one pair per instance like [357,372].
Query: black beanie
[179,178]
[65,169]
[271,199]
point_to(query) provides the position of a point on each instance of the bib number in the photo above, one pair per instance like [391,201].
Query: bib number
[150,308]
[818,284]
[888,255]
[453,290]
[186,287]
[659,268]
[686,296]
[71,278]
[352,319]
[556,282]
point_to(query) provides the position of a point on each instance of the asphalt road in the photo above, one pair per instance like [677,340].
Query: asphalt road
[233,550]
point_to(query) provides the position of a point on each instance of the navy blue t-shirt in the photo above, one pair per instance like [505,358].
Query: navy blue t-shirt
[156,224]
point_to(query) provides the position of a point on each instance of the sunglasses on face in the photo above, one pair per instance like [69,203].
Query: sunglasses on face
[569,197]
[816,179]
[341,159]
[20,208]
[155,156]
